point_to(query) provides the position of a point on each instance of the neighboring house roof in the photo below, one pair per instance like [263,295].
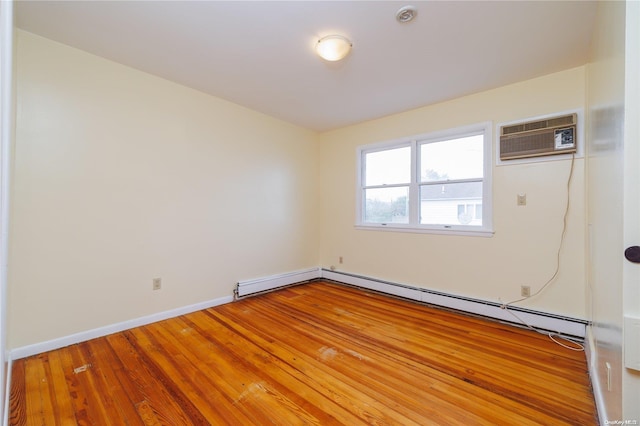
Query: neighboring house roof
[449,191]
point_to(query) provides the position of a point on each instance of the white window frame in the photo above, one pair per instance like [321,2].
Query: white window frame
[414,225]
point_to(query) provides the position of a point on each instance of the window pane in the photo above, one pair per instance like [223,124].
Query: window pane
[389,167]
[452,159]
[387,205]
[451,204]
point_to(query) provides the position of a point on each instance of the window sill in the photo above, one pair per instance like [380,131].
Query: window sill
[428,230]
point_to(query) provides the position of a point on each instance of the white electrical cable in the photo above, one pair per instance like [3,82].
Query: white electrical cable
[552,335]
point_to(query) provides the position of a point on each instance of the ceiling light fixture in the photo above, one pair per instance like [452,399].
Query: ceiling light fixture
[333,47]
[406,14]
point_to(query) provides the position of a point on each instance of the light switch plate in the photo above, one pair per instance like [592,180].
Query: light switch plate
[522,199]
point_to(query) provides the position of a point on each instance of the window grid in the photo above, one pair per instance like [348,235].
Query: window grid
[475,218]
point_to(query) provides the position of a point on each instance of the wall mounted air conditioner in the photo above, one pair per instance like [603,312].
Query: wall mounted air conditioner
[537,138]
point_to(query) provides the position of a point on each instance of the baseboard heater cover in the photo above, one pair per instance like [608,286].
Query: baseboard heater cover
[260,285]
[542,320]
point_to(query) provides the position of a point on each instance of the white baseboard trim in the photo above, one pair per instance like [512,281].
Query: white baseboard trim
[560,324]
[563,325]
[247,287]
[596,386]
[83,336]
[7,391]
[259,285]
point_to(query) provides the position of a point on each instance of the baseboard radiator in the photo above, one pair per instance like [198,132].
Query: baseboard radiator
[261,285]
[564,325]
[557,323]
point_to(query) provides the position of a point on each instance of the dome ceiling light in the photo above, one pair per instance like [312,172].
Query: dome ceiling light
[406,14]
[333,47]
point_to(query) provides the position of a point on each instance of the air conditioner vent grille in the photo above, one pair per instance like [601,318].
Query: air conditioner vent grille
[533,143]
[565,120]
[535,138]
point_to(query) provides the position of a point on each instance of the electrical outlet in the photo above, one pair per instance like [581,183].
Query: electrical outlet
[340,260]
[157,283]
[525,291]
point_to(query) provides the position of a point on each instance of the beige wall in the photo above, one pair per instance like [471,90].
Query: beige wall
[121,177]
[523,249]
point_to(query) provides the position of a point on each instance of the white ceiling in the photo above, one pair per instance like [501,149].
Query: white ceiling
[261,54]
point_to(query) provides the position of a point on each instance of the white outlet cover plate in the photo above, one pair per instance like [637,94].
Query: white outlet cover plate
[632,343]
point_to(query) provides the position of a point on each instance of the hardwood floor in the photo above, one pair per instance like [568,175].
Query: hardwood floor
[317,353]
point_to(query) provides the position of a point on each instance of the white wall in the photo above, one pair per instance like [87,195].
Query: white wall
[523,249]
[631,233]
[613,188]
[6,134]
[605,179]
[121,177]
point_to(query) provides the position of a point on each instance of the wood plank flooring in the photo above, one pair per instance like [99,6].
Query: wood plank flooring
[314,354]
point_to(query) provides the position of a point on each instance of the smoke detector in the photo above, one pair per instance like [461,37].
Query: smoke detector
[406,14]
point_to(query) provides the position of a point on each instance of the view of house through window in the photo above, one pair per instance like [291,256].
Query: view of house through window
[427,183]
[451,175]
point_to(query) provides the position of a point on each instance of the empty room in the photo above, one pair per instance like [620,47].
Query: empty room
[320,212]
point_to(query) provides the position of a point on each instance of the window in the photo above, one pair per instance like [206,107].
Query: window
[433,183]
